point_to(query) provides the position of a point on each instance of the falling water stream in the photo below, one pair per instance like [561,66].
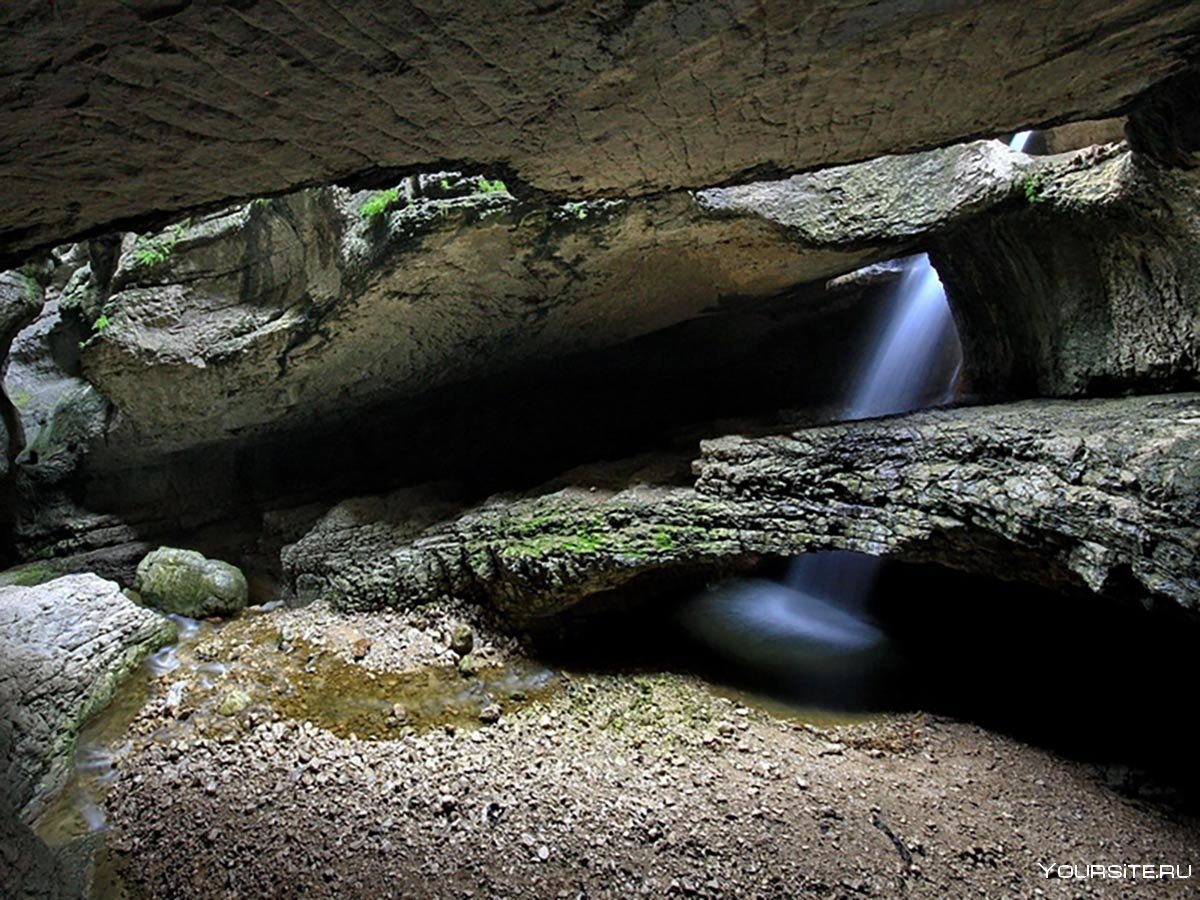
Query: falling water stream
[811,628]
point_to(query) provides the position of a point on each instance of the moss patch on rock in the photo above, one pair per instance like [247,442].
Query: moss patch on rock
[187,583]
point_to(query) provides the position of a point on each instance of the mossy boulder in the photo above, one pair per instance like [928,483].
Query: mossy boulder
[188,583]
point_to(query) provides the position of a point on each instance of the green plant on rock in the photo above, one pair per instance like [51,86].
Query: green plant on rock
[577,208]
[491,187]
[99,326]
[150,252]
[379,203]
[29,284]
[1033,186]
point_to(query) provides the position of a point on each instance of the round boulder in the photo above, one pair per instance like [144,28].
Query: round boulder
[187,583]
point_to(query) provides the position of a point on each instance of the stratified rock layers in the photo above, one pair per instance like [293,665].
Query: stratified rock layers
[299,311]
[1087,286]
[115,113]
[1102,495]
[64,647]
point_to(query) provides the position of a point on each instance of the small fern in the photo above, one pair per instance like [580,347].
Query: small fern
[1033,186]
[151,252]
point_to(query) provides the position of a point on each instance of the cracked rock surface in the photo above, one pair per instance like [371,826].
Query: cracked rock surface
[1097,494]
[65,645]
[1086,285]
[155,107]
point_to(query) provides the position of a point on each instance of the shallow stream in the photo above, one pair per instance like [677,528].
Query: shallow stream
[197,694]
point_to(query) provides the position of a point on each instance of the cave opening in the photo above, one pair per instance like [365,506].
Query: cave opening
[524,445]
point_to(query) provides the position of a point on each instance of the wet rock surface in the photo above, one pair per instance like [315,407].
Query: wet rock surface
[1096,494]
[575,99]
[66,645]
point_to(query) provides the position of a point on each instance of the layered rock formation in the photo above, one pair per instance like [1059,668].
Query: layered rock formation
[304,310]
[20,301]
[301,311]
[1086,286]
[65,645]
[160,107]
[1095,495]
[228,359]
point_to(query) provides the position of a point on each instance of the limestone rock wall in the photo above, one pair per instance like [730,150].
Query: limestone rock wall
[21,299]
[301,310]
[1086,285]
[1097,495]
[279,315]
[115,113]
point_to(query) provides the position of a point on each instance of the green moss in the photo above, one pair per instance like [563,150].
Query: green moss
[491,187]
[546,544]
[1032,186]
[22,399]
[554,530]
[29,284]
[31,574]
[185,582]
[379,203]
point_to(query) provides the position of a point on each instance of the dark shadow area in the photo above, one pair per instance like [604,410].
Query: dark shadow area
[1092,679]
[745,365]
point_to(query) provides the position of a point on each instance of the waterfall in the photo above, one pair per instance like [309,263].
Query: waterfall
[896,375]
[811,627]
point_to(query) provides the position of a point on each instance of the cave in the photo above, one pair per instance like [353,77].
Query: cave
[658,450]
